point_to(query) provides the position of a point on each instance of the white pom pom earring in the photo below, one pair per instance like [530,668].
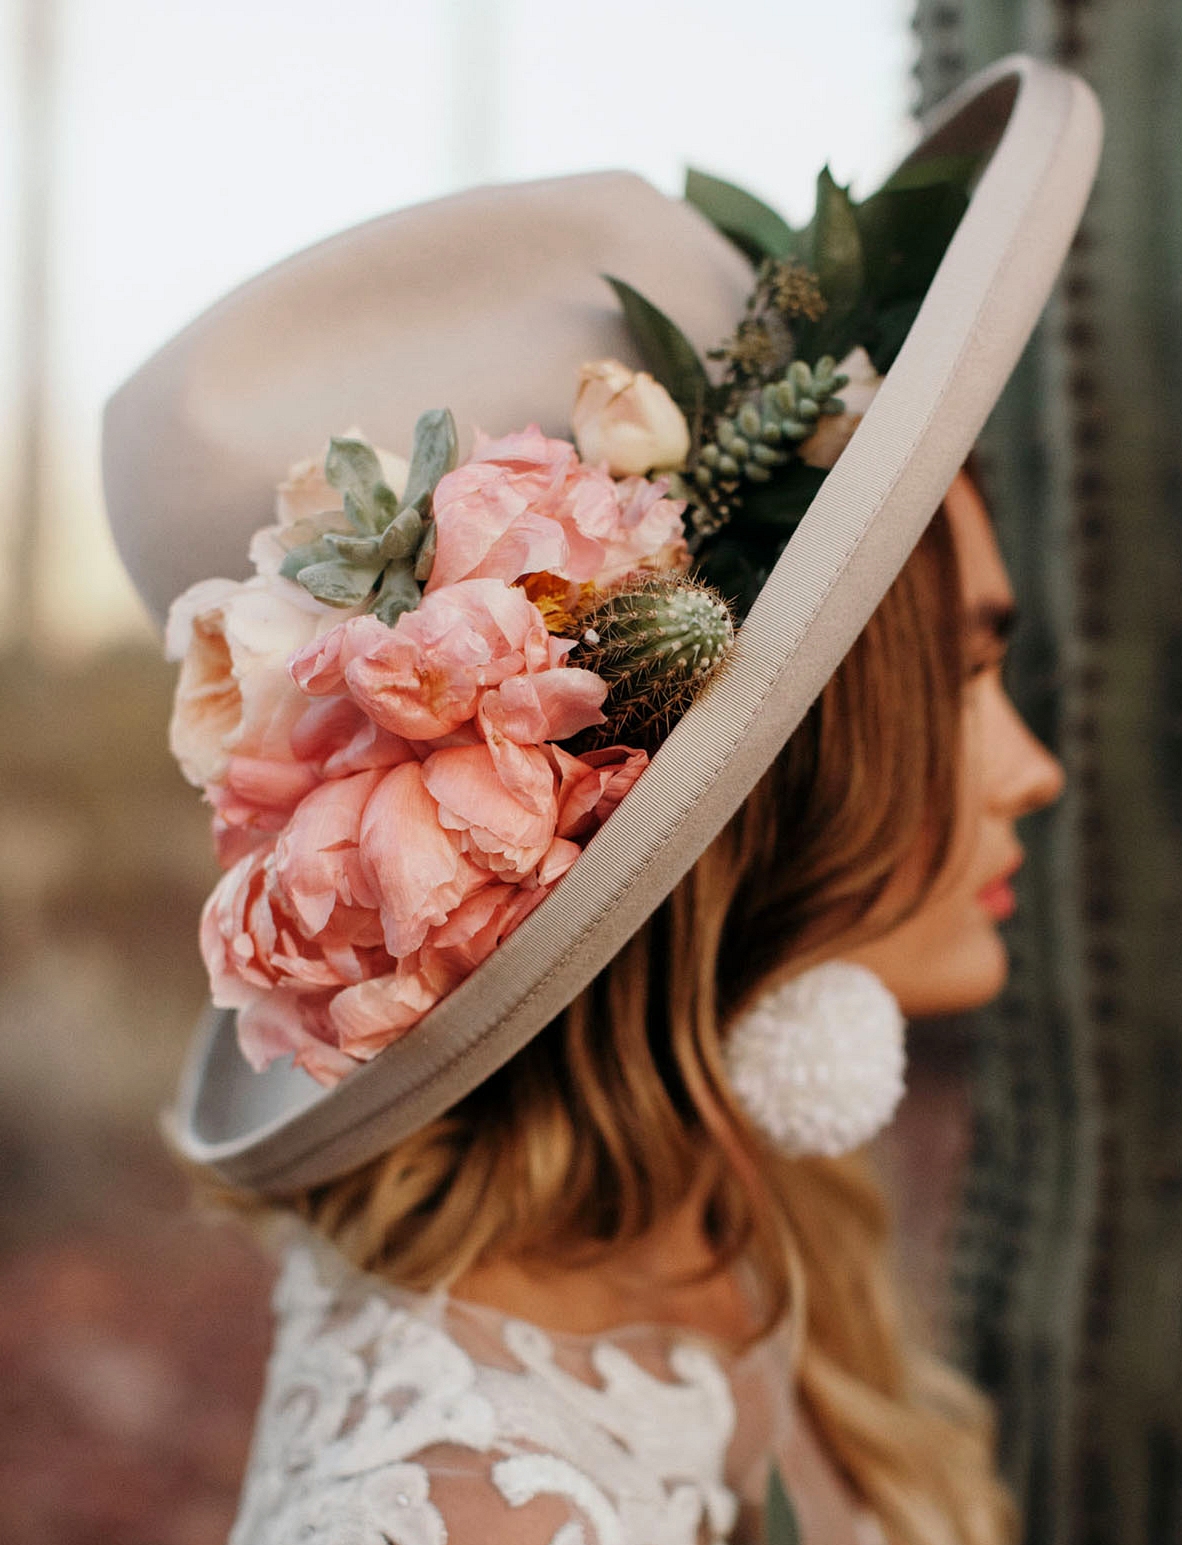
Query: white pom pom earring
[817,1062]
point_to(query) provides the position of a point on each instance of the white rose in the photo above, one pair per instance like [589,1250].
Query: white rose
[834,431]
[627,421]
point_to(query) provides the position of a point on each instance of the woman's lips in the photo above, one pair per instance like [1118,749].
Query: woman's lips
[997,898]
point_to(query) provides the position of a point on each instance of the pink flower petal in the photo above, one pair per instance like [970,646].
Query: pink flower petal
[473,798]
[413,864]
[592,785]
[317,859]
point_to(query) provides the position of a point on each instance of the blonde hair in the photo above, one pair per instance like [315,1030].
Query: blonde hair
[593,1133]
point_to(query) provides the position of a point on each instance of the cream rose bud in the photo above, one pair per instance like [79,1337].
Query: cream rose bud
[626,421]
[835,431]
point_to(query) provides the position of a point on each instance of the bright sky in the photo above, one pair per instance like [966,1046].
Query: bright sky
[199,142]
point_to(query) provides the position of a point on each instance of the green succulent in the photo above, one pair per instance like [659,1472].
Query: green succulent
[385,557]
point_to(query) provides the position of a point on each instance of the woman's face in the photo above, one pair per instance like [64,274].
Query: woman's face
[948,955]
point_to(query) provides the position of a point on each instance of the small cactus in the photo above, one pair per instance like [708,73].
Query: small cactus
[656,645]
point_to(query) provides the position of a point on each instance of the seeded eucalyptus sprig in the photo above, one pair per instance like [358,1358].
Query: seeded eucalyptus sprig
[388,555]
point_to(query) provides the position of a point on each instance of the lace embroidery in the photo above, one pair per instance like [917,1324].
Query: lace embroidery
[359,1390]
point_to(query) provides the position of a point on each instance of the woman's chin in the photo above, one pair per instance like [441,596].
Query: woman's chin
[967,977]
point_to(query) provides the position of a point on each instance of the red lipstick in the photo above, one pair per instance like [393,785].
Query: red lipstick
[997,898]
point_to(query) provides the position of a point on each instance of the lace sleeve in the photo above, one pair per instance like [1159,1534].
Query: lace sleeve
[449,1497]
[401,1423]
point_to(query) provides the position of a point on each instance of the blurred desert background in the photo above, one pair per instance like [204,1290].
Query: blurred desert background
[151,156]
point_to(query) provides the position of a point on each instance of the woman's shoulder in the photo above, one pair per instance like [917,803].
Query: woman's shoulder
[396,1416]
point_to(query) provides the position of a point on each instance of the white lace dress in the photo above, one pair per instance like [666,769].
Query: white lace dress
[393,1418]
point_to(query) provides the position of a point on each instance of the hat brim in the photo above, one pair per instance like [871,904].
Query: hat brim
[1040,130]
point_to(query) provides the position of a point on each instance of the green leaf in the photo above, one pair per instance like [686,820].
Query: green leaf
[905,233]
[837,247]
[755,229]
[434,454]
[890,332]
[398,594]
[338,584]
[668,353]
[780,1526]
[352,549]
[402,535]
[958,170]
[783,501]
[317,551]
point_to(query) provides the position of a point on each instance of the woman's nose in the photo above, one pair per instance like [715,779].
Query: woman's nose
[1026,775]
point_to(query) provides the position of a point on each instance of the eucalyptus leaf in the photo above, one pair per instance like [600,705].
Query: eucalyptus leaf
[434,454]
[398,594]
[353,549]
[668,353]
[755,229]
[780,1526]
[338,584]
[317,551]
[402,535]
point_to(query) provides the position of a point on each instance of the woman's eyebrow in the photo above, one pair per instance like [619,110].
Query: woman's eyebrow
[997,618]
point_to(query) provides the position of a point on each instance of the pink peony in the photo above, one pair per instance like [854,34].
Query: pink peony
[425,677]
[526,504]
[415,865]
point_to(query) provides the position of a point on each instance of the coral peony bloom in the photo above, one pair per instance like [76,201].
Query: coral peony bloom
[252,943]
[414,865]
[627,422]
[318,866]
[504,829]
[526,504]
[423,678]
[592,785]
[282,1023]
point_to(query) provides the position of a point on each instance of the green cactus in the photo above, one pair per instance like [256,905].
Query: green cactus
[388,554]
[656,645]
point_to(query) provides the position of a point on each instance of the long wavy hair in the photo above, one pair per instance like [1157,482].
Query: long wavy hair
[596,1131]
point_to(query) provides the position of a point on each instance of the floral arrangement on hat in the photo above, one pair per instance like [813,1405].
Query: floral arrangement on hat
[442,678]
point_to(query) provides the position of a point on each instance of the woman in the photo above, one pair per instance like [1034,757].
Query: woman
[598,1182]
[596,1271]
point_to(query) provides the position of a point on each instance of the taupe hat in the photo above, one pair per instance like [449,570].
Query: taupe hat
[446,303]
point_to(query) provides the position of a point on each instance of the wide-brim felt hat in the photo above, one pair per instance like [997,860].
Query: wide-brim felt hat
[489,302]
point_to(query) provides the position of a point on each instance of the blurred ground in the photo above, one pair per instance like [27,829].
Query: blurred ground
[132,1333]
